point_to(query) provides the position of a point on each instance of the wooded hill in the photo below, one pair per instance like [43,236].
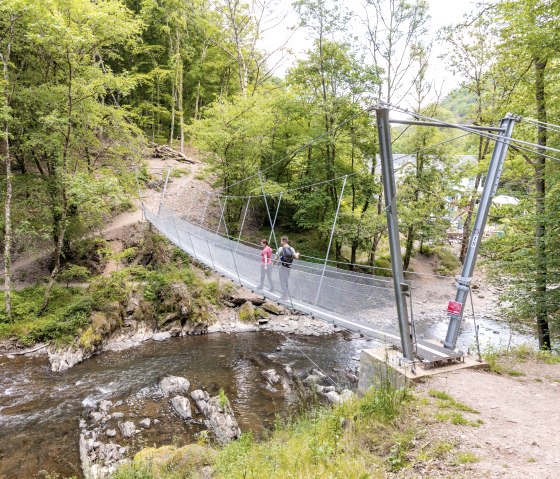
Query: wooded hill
[87,83]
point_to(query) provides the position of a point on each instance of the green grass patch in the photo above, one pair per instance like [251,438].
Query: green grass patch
[66,315]
[466,457]
[504,361]
[447,402]
[456,418]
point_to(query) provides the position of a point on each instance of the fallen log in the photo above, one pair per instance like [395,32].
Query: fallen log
[168,153]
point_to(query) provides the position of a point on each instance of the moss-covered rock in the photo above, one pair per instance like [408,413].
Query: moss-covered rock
[181,462]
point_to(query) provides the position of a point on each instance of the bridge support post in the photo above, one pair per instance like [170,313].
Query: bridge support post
[389,189]
[164,189]
[490,187]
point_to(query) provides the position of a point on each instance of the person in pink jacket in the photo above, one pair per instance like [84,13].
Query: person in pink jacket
[266,265]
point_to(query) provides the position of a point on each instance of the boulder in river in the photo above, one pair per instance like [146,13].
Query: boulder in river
[146,423]
[220,420]
[182,407]
[271,376]
[128,429]
[219,415]
[174,385]
[200,398]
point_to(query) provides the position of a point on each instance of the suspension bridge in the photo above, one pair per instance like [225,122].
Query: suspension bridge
[376,306]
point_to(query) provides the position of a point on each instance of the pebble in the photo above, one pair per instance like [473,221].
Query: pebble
[110,432]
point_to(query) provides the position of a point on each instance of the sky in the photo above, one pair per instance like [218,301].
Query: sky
[442,13]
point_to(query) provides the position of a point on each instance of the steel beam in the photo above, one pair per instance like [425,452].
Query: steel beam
[437,124]
[389,189]
[490,187]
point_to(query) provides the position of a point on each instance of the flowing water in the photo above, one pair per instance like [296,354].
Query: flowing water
[40,410]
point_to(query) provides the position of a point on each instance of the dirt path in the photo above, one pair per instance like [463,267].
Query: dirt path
[520,434]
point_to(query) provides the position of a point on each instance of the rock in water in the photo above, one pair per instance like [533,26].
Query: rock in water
[182,407]
[146,423]
[200,398]
[271,376]
[220,419]
[127,428]
[174,385]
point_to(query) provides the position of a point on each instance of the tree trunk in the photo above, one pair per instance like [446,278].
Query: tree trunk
[60,178]
[540,230]
[409,246]
[181,112]
[8,202]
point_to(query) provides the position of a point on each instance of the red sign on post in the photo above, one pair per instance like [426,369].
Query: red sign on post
[454,307]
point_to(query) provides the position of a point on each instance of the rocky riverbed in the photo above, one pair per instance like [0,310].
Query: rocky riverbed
[116,402]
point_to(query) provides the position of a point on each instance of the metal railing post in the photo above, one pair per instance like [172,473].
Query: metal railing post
[275,217]
[162,199]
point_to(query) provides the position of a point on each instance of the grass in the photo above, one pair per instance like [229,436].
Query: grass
[452,410]
[504,361]
[447,261]
[456,418]
[447,402]
[362,438]
[466,457]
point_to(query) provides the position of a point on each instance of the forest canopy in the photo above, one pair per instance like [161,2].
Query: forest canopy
[87,85]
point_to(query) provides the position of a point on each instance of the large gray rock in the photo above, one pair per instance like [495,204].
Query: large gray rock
[182,407]
[174,385]
[220,419]
[128,429]
[273,308]
[63,359]
[200,398]
[241,297]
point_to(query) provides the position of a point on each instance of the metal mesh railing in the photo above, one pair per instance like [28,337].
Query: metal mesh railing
[355,301]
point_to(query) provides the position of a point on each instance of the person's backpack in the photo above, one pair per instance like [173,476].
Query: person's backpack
[287,256]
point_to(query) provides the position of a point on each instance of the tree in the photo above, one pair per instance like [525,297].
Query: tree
[529,31]
[5,116]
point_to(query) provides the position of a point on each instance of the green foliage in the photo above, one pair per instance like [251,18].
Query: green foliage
[466,457]
[223,399]
[66,315]
[384,401]
[504,361]
[446,401]
[73,272]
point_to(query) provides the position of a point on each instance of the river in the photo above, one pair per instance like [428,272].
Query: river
[40,410]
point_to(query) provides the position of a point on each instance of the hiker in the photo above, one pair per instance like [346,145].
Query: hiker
[266,265]
[285,255]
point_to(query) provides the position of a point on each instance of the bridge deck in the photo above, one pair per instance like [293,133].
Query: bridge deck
[357,302]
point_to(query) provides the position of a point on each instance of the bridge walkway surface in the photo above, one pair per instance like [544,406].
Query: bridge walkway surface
[355,301]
